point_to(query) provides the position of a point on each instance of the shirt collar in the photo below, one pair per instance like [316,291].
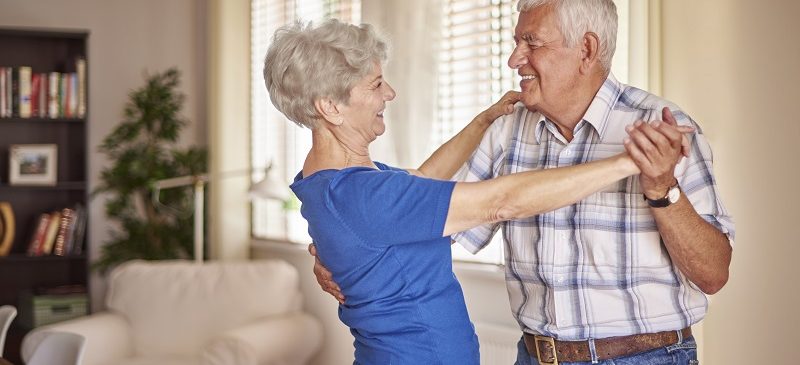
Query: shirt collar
[598,111]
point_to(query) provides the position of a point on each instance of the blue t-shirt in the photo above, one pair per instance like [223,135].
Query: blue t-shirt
[379,232]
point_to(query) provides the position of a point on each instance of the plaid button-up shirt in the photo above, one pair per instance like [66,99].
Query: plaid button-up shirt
[597,268]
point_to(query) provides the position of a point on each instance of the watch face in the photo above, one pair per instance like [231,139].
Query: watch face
[674,194]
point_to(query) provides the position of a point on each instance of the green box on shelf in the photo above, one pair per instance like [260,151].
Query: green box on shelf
[41,310]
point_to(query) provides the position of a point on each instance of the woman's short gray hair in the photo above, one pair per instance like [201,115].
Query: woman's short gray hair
[305,63]
[576,18]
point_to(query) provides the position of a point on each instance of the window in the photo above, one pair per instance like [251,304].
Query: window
[477,39]
[274,138]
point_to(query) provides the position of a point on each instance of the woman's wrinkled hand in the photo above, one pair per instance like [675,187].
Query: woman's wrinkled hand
[502,107]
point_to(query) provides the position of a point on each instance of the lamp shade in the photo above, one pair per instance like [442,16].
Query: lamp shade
[269,188]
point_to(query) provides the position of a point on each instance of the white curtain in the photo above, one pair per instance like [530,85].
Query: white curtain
[413,28]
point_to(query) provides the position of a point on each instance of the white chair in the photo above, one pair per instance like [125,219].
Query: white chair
[7,314]
[59,348]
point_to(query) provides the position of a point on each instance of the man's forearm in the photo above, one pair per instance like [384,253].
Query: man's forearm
[698,249]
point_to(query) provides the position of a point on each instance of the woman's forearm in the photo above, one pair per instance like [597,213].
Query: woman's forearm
[530,193]
[448,158]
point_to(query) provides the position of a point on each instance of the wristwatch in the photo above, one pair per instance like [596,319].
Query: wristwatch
[673,194]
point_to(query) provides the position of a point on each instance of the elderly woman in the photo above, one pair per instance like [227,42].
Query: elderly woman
[384,232]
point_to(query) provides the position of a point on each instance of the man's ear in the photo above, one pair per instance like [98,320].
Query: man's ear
[329,111]
[590,48]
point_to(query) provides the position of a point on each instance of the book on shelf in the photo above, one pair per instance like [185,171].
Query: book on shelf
[72,100]
[15,92]
[10,92]
[80,69]
[77,230]
[26,93]
[59,233]
[63,88]
[36,85]
[59,248]
[52,98]
[35,243]
[3,106]
[10,89]
[52,231]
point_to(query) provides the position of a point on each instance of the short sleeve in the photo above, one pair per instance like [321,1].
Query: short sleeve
[386,208]
[696,178]
[486,163]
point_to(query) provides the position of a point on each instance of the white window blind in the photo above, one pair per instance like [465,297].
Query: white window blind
[477,39]
[274,138]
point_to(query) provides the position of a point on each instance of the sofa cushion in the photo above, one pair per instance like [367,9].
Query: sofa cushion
[176,307]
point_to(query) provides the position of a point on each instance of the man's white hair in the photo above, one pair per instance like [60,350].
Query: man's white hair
[577,17]
[305,63]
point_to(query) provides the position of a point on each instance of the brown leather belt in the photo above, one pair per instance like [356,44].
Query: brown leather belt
[550,351]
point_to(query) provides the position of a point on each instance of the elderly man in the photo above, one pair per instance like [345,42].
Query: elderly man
[623,274]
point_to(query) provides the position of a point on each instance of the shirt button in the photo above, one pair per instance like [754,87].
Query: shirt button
[563,235]
[567,152]
[561,279]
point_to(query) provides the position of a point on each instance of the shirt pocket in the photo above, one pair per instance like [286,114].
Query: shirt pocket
[617,231]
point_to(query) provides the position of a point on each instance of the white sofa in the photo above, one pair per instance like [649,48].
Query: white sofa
[181,313]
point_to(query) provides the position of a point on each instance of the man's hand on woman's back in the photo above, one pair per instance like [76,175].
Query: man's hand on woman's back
[324,277]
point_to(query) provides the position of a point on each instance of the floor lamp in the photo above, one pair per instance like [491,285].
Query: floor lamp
[266,188]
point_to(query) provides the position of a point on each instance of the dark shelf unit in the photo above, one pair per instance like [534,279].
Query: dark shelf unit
[43,51]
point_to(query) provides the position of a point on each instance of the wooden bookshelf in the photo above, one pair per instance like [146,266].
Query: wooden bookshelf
[44,51]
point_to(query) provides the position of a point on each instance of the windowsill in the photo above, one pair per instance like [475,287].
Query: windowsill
[464,268]
[277,244]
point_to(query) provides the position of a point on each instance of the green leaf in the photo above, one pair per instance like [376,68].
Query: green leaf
[142,151]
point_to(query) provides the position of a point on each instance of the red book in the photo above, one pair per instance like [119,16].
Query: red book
[36,89]
[35,246]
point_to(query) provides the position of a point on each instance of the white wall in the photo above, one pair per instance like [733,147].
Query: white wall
[733,65]
[126,38]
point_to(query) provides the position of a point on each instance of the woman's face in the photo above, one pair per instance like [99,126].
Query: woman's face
[364,111]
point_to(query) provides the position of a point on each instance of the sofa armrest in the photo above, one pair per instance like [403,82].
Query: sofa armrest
[107,337]
[286,340]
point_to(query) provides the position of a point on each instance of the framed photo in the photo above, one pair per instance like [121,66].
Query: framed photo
[33,164]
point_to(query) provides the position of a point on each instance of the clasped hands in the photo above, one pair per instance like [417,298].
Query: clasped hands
[656,148]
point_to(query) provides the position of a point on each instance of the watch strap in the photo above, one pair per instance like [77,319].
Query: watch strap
[665,201]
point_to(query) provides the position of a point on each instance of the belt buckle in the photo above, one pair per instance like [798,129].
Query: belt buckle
[545,350]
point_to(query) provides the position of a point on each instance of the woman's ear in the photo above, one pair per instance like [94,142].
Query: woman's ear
[329,111]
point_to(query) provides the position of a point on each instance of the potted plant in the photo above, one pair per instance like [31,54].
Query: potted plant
[143,150]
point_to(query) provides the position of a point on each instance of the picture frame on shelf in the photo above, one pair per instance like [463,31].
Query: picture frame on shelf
[33,164]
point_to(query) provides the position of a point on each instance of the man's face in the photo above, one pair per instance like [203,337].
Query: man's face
[549,70]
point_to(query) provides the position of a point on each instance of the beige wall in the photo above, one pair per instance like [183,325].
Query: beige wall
[734,65]
[126,38]
[731,64]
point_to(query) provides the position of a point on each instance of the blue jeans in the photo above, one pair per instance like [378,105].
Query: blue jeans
[684,353]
